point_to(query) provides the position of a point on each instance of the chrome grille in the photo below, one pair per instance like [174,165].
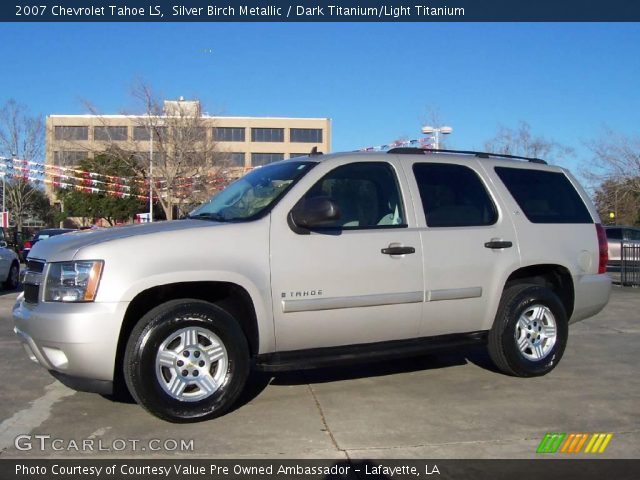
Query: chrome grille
[32,280]
[31,293]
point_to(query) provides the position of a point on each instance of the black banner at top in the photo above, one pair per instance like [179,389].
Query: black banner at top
[319,11]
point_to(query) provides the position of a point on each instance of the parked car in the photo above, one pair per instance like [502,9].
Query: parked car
[318,260]
[41,235]
[616,236]
[9,265]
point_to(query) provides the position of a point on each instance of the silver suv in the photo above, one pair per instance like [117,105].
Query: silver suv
[318,260]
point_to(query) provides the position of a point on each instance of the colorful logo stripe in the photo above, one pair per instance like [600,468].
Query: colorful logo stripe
[574,442]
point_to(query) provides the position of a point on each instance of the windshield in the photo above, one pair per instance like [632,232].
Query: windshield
[256,192]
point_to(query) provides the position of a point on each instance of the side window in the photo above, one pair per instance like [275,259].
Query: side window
[614,233]
[366,193]
[632,235]
[453,196]
[544,197]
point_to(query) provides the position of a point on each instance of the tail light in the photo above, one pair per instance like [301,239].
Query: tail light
[27,244]
[603,249]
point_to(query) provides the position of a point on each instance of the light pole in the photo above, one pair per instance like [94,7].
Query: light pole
[428,130]
[150,172]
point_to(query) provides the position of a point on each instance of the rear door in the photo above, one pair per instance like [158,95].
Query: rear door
[469,245]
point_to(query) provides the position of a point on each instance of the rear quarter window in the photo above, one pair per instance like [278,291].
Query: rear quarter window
[544,197]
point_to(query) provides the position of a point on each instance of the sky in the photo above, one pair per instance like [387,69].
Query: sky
[377,82]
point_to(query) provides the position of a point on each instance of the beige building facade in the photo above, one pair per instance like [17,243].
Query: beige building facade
[248,141]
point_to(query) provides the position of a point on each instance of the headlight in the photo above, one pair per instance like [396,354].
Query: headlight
[73,281]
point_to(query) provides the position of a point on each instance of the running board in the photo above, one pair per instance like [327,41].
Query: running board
[362,353]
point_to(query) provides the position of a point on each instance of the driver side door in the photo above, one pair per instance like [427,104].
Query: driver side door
[341,283]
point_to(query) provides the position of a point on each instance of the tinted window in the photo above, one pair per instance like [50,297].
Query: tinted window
[229,134]
[236,159]
[545,197]
[453,196]
[108,133]
[367,195]
[306,135]
[72,133]
[267,134]
[630,234]
[66,157]
[142,133]
[614,233]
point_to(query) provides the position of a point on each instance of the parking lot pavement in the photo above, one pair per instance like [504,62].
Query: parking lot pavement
[448,406]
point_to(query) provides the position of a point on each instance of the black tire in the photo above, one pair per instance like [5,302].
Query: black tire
[13,279]
[146,339]
[517,301]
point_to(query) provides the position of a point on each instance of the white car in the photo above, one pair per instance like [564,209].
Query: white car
[9,265]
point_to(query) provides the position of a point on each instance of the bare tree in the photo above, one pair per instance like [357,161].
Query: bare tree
[21,136]
[521,141]
[614,171]
[186,162]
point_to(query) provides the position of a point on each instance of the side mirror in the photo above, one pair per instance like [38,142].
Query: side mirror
[315,212]
[3,244]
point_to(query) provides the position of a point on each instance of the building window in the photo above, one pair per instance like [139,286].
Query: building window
[68,157]
[72,133]
[294,155]
[142,158]
[189,134]
[142,133]
[306,135]
[109,133]
[267,134]
[229,134]
[258,159]
[235,159]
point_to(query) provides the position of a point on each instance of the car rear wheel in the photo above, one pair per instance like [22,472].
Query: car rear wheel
[13,279]
[186,360]
[530,331]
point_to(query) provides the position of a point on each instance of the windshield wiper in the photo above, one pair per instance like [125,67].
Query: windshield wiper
[216,217]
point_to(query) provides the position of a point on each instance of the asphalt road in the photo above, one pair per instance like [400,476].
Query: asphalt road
[445,406]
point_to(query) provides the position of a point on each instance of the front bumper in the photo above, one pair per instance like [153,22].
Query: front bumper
[77,342]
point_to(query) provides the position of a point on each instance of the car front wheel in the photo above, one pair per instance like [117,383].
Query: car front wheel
[530,331]
[186,360]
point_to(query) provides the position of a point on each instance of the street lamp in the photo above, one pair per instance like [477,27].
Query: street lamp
[428,130]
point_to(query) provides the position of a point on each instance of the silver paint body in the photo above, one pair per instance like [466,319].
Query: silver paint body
[451,284]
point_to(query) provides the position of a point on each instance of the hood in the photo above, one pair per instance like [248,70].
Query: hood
[64,247]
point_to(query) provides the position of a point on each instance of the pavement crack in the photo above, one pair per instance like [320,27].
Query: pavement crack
[324,420]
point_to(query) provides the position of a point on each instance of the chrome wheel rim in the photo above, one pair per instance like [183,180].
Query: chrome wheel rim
[536,332]
[191,364]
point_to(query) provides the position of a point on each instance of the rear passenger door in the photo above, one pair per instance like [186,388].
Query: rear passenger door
[468,242]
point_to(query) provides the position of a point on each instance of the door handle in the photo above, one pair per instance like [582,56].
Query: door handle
[495,244]
[398,250]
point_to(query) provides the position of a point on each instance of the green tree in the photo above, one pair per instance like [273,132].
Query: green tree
[105,203]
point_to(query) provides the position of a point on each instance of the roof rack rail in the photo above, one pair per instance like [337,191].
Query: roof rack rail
[424,151]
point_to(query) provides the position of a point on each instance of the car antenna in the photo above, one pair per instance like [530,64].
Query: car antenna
[314,152]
